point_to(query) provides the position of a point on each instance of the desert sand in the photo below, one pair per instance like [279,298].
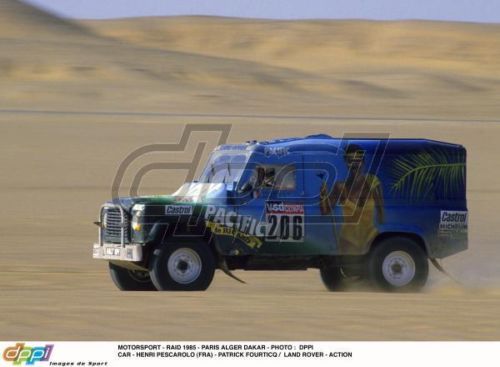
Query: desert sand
[77,96]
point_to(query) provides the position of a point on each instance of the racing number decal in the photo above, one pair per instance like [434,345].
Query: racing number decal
[284,221]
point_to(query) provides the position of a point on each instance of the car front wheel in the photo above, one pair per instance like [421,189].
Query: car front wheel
[130,280]
[183,266]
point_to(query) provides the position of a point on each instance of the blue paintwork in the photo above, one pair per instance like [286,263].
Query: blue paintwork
[321,158]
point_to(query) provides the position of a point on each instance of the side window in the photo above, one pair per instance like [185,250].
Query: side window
[286,179]
[276,177]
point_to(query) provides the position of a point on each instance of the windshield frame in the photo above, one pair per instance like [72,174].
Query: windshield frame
[214,169]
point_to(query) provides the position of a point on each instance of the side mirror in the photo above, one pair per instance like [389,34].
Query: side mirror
[246,188]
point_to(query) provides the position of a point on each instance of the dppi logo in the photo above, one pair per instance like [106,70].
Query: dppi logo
[29,355]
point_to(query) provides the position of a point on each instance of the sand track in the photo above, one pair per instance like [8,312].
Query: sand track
[60,170]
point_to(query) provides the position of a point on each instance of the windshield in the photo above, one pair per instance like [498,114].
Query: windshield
[224,167]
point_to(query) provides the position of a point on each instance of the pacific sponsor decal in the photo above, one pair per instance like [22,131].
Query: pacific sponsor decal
[20,353]
[221,230]
[230,218]
[453,221]
[284,223]
[228,223]
[178,210]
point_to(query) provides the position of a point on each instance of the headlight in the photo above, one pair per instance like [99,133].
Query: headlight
[137,213]
[104,221]
[138,208]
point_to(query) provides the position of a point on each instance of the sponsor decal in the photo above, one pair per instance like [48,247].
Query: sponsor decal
[228,223]
[21,354]
[280,207]
[221,230]
[277,151]
[453,221]
[229,218]
[178,210]
[285,221]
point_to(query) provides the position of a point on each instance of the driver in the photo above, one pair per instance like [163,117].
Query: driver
[259,181]
[269,177]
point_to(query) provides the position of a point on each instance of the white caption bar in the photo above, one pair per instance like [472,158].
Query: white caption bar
[407,354]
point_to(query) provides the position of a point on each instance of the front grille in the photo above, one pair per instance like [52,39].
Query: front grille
[112,225]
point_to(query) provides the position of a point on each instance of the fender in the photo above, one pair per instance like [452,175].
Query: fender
[157,232]
[410,230]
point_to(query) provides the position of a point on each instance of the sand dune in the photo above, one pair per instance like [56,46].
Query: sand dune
[404,65]
[78,65]
[19,20]
[320,45]
[234,66]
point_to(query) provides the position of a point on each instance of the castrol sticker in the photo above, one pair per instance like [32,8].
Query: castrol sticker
[453,221]
[178,210]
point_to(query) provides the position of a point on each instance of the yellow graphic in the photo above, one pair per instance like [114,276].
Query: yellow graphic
[360,200]
[219,229]
[355,236]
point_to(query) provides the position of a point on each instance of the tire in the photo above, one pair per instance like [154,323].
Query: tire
[398,264]
[333,278]
[130,280]
[182,266]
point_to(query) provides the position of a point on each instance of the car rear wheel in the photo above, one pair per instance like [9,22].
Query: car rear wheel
[398,264]
[333,278]
[182,266]
[130,280]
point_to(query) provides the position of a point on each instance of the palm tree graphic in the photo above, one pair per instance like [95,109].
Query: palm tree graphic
[419,175]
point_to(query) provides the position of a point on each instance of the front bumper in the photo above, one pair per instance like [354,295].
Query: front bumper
[116,251]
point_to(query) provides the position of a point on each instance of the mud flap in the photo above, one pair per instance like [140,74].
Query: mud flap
[223,266]
[440,268]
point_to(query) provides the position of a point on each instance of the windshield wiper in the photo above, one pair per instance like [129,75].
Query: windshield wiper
[212,173]
[228,173]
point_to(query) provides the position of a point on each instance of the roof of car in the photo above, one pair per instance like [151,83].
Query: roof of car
[326,143]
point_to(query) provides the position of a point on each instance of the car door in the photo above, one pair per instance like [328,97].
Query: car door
[277,205]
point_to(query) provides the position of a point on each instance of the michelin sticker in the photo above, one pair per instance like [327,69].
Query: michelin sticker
[452,221]
[178,210]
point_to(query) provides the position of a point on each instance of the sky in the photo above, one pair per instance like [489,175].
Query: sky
[457,10]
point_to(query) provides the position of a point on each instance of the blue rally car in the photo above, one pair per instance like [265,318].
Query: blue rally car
[374,208]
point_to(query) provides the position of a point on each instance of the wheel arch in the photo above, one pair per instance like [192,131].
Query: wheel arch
[171,238]
[410,235]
